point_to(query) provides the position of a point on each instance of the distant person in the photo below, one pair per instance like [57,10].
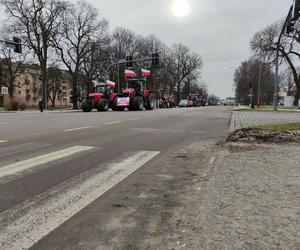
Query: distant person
[41,105]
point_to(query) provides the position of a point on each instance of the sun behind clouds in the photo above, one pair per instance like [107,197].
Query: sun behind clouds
[181,8]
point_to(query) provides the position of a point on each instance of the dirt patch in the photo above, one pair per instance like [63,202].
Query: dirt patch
[263,136]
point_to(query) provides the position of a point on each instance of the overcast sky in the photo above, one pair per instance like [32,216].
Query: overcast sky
[218,30]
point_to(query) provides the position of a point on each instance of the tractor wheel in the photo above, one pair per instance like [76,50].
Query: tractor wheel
[138,103]
[102,105]
[87,106]
[131,107]
[114,104]
[150,102]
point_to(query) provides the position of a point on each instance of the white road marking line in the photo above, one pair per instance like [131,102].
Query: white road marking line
[155,130]
[212,160]
[35,219]
[75,129]
[134,119]
[16,168]
[111,123]
[3,141]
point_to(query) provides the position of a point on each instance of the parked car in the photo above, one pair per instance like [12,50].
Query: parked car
[183,103]
[198,104]
[191,103]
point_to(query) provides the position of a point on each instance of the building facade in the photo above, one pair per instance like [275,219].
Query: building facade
[27,86]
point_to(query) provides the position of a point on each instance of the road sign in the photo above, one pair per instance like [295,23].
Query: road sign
[123,101]
[4,90]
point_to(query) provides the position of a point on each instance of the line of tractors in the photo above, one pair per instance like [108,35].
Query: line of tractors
[134,96]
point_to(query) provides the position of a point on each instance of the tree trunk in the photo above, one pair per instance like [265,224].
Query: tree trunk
[44,88]
[74,91]
[11,90]
[178,93]
[297,97]
[53,99]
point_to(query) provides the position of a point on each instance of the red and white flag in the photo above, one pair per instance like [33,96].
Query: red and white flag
[111,84]
[145,72]
[129,73]
[96,83]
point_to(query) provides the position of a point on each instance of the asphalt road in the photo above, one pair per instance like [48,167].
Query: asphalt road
[55,166]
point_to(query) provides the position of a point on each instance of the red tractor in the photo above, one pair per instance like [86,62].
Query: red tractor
[135,96]
[102,97]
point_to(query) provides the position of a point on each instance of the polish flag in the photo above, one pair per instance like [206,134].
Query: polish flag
[129,73]
[111,84]
[145,72]
[96,83]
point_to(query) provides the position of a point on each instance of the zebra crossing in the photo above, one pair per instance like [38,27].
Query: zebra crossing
[30,221]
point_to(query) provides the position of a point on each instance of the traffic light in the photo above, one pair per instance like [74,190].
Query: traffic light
[155,59]
[129,63]
[290,26]
[250,85]
[296,10]
[18,45]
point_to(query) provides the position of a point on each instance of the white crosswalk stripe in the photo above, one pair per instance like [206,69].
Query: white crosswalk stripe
[34,219]
[76,129]
[18,168]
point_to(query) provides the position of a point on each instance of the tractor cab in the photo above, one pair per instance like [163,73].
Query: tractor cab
[135,85]
[101,90]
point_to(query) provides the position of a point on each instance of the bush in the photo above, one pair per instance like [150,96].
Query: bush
[22,107]
[14,106]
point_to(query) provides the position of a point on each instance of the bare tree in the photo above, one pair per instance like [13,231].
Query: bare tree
[287,83]
[55,78]
[95,64]
[123,43]
[159,79]
[248,73]
[36,22]
[264,45]
[186,65]
[12,67]
[80,28]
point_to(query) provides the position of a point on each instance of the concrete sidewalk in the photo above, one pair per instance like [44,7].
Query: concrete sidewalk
[280,109]
[45,111]
[242,119]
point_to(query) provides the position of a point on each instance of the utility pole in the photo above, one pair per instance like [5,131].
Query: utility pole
[251,95]
[259,84]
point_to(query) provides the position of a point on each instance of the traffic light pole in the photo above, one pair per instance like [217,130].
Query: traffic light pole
[18,45]
[275,97]
[131,61]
